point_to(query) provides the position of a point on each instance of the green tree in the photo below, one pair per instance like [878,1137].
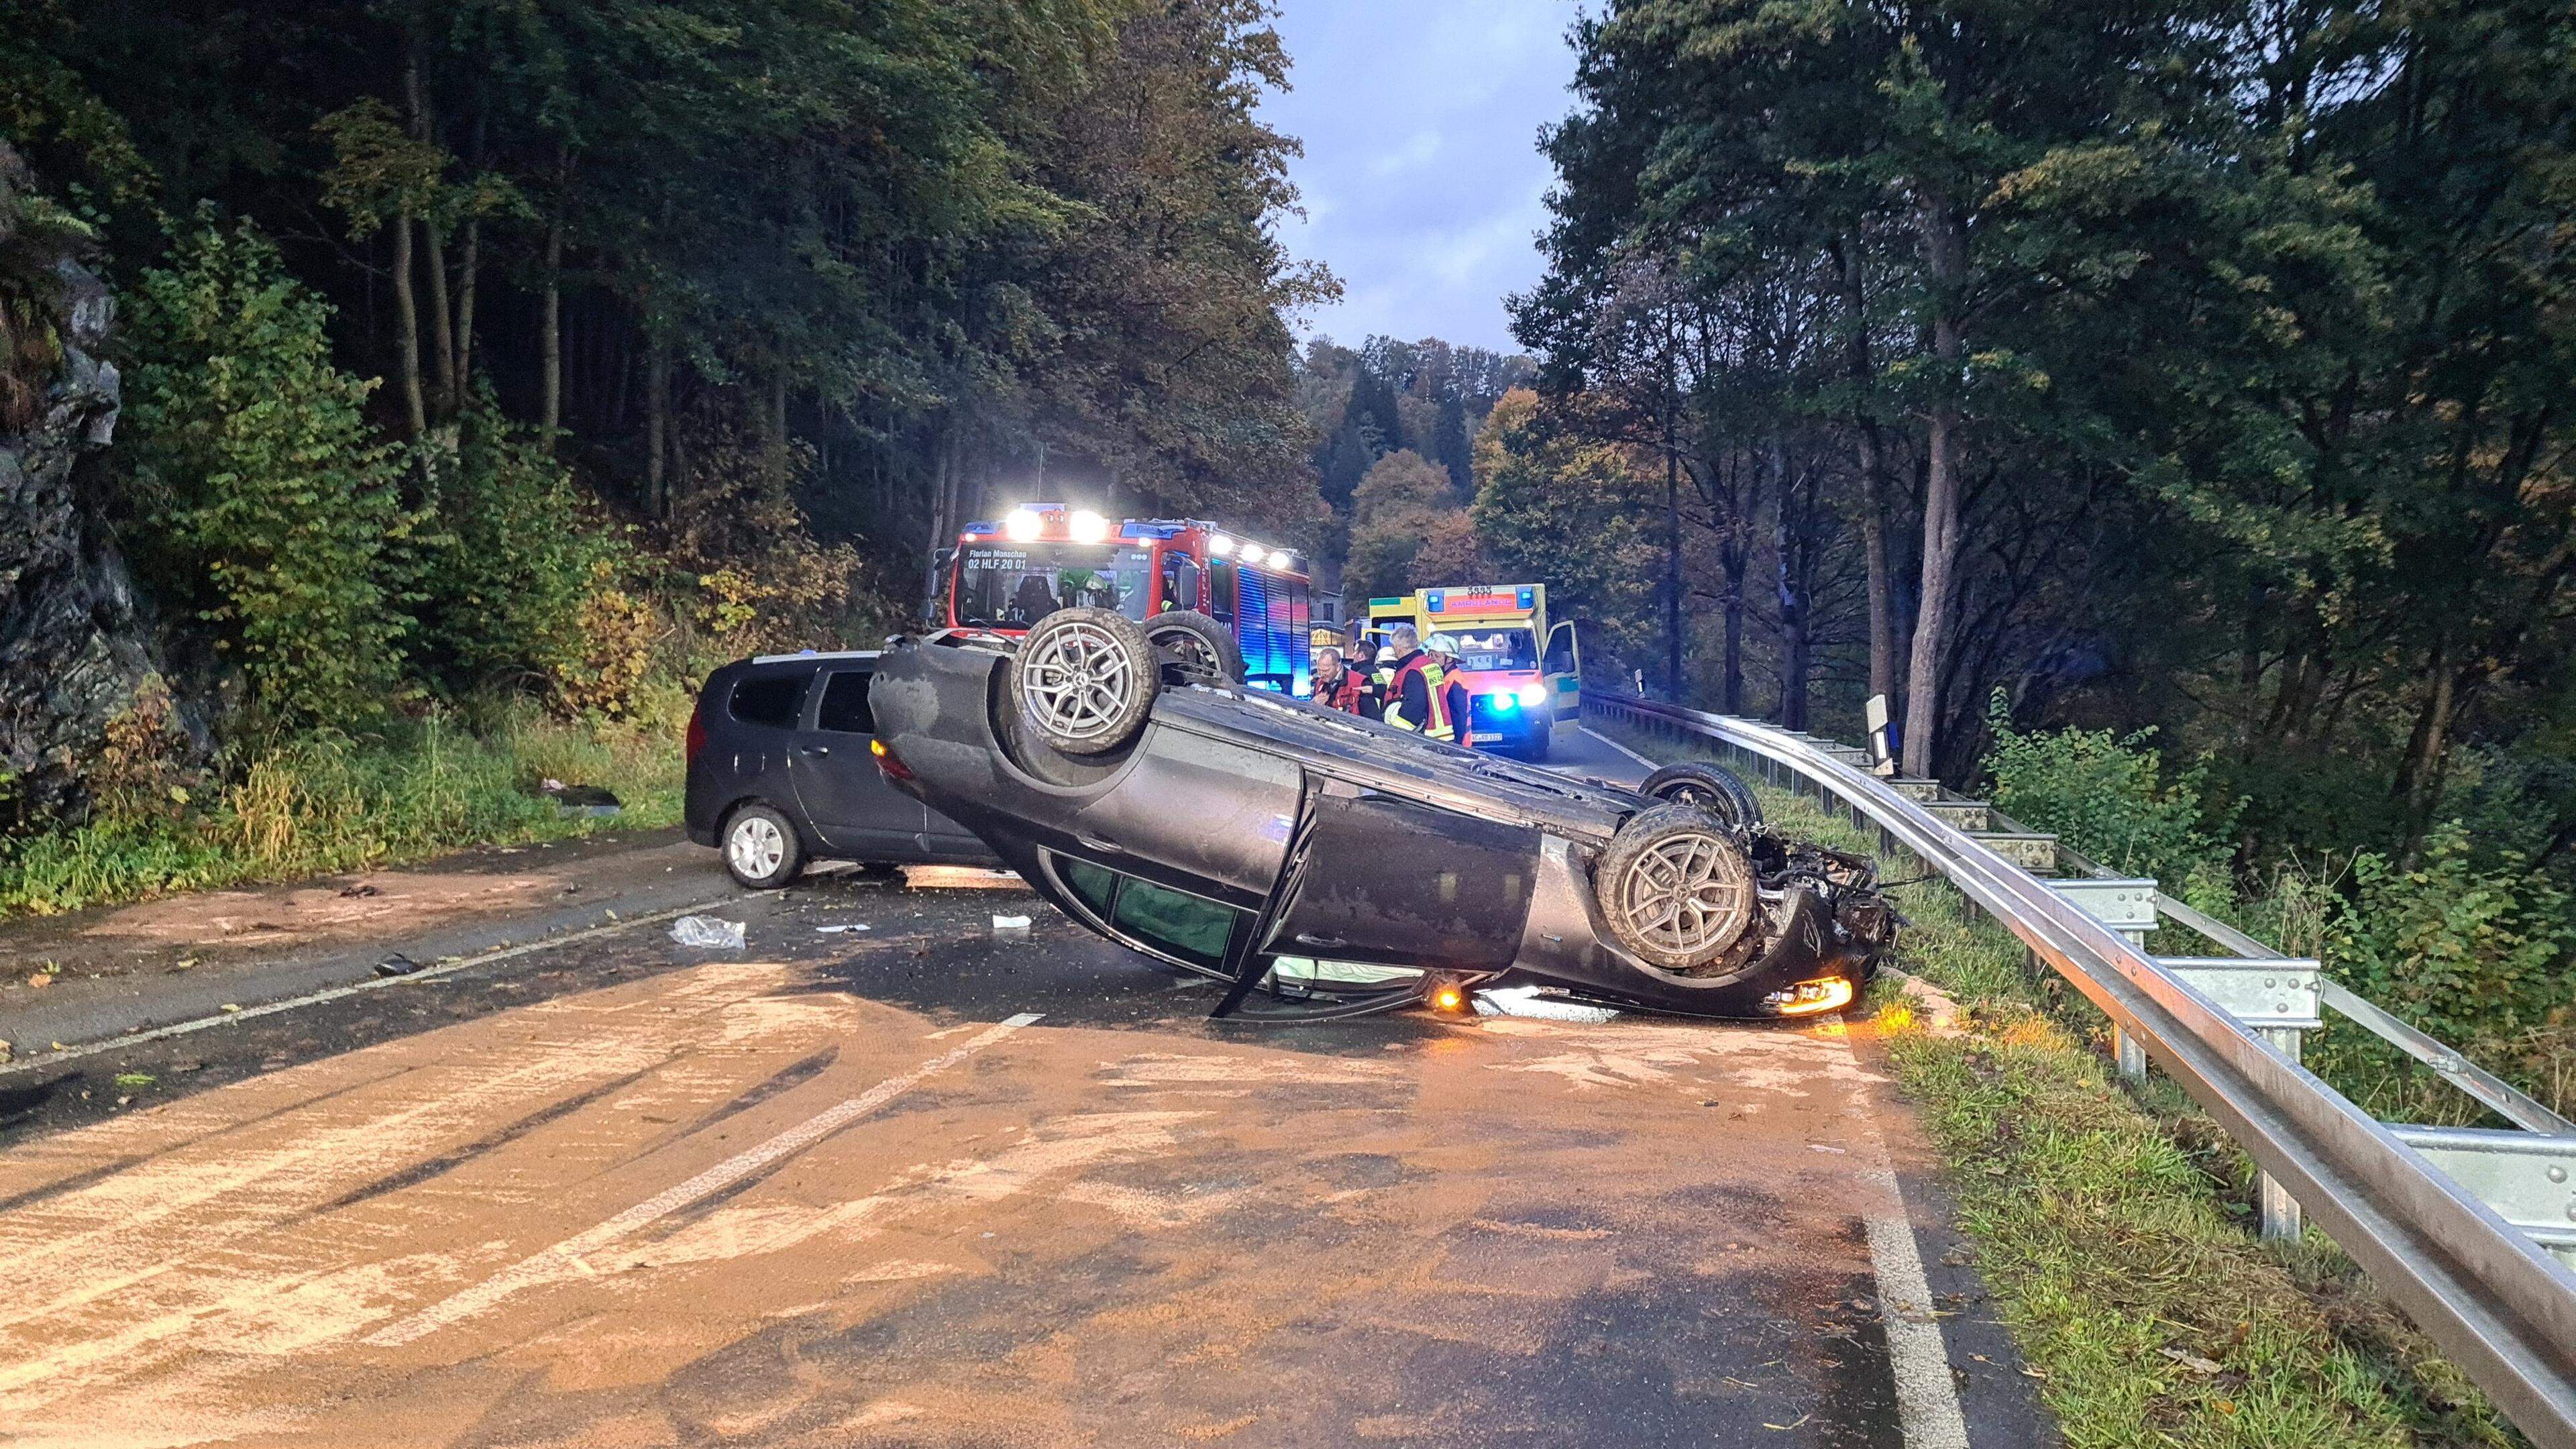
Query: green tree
[1400,504]
[271,504]
[1554,505]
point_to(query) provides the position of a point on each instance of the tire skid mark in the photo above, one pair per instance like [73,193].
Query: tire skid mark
[490,1142]
[228,1295]
[155,1126]
[119,1228]
[794,1074]
[568,1253]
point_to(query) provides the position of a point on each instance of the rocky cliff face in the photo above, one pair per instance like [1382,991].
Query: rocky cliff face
[77,651]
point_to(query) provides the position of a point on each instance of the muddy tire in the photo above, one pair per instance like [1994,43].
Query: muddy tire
[760,848]
[1707,787]
[1196,645]
[1675,888]
[1084,680]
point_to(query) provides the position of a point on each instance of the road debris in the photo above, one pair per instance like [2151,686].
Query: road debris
[836,930]
[2192,1361]
[1010,924]
[397,964]
[707,933]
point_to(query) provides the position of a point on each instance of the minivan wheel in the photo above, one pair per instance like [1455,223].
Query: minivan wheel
[1198,644]
[1712,788]
[1675,888]
[761,851]
[1084,680]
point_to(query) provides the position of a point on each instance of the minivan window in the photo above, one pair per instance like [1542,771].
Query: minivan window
[770,699]
[845,704]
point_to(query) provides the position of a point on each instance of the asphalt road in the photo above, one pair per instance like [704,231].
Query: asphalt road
[929,1183]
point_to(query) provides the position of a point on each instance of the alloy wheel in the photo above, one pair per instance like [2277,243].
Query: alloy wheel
[1689,894]
[1078,681]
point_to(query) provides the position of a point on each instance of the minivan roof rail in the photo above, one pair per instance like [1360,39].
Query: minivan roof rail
[803,654]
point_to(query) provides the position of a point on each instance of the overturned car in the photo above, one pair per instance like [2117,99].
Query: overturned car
[1323,865]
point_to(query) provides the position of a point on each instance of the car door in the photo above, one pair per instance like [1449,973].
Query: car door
[855,811]
[1394,881]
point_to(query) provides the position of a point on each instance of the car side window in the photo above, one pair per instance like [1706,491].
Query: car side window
[769,699]
[1170,921]
[845,704]
[1091,884]
[1188,927]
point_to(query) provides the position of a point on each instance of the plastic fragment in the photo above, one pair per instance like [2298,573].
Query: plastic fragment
[707,932]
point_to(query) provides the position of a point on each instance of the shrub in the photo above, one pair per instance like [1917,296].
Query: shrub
[268,498]
[2477,954]
[510,569]
[2106,796]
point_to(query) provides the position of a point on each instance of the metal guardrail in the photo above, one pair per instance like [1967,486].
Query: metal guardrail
[2489,1294]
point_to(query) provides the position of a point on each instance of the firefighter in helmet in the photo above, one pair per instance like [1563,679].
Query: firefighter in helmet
[1414,688]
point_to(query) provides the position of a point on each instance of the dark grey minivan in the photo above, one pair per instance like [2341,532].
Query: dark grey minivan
[780,775]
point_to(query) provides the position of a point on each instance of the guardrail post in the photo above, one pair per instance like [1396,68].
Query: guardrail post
[2276,1212]
[2129,1053]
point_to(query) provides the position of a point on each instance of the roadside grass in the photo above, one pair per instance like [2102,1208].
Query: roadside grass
[325,804]
[2115,1229]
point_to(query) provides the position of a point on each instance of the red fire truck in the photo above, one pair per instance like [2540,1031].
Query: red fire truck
[1012,571]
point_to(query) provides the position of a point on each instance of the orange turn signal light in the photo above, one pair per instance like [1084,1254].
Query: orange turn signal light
[1809,997]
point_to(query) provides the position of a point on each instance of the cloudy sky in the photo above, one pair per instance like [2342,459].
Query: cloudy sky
[1422,177]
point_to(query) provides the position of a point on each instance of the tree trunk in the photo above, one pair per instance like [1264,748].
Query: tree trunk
[657,427]
[550,337]
[1733,685]
[1873,477]
[1672,550]
[442,323]
[943,515]
[2419,776]
[467,266]
[550,325]
[1793,523]
[1945,254]
[407,330]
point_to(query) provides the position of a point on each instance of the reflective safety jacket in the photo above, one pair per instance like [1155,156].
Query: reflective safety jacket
[1342,694]
[1417,696]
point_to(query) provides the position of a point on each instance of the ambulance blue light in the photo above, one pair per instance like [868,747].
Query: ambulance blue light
[1503,703]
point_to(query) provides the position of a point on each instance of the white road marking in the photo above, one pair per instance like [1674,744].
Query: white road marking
[1651,766]
[334,993]
[566,1257]
[1927,1399]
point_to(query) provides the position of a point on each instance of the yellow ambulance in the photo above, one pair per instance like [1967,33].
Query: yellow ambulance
[1522,672]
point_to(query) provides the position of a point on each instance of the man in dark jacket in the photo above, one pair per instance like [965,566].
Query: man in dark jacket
[1336,686]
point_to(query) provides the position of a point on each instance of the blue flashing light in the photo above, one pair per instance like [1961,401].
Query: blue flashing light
[1503,703]
[1528,596]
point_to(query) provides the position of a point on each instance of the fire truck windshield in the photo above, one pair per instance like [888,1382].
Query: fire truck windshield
[1489,648]
[1014,587]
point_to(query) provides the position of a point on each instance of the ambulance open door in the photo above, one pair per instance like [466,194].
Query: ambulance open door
[1561,671]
